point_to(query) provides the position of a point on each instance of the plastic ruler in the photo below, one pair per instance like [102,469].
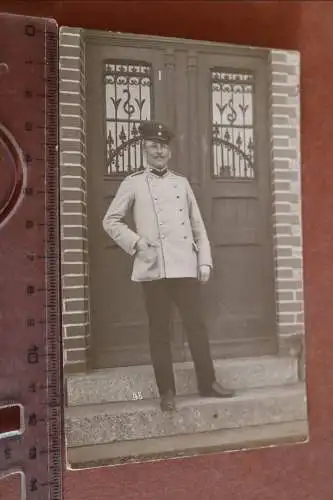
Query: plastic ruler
[30,324]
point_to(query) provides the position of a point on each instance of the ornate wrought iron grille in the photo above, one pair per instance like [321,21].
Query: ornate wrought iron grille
[128,101]
[232,124]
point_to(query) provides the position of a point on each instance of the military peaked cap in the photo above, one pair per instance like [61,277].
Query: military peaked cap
[155,131]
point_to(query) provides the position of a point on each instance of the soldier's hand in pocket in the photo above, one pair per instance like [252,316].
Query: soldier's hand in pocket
[204,273]
[146,250]
[142,244]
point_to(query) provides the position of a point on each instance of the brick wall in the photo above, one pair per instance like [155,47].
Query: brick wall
[286,187]
[74,237]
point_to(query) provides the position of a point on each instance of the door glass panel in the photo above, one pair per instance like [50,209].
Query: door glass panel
[232,124]
[128,101]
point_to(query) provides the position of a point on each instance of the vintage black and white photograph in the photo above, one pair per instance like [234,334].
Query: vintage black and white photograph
[181,246]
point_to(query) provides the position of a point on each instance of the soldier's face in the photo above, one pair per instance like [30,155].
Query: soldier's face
[157,153]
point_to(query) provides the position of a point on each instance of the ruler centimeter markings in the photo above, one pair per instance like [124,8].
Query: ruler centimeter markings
[30,326]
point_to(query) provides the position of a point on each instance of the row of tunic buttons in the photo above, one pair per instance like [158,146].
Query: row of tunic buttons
[162,223]
[163,236]
[156,199]
[181,210]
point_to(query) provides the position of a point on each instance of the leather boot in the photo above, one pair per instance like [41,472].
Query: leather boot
[217,391]
[167,401]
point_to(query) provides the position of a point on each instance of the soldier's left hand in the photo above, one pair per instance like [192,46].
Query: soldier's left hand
[204,273]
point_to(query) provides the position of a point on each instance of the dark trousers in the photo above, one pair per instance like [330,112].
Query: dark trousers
[159,297]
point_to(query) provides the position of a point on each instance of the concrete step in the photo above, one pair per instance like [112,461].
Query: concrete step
[141,420]
[137,382]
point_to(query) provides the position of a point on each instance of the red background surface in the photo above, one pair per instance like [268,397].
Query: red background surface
[298,472]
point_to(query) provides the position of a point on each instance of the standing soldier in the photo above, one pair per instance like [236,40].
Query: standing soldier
[172,256]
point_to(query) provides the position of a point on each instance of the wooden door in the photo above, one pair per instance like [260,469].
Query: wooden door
[233,170]
[217,105]
[124,86]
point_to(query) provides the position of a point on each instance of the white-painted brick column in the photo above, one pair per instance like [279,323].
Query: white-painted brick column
[286,180]
[74,237]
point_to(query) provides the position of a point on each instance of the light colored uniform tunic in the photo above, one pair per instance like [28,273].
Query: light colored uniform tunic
[166,213]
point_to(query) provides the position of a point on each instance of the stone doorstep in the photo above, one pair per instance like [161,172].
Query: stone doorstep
[188,445]
[137,382]
[116,422]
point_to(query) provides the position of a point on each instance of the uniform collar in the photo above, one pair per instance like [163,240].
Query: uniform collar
[158,172]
